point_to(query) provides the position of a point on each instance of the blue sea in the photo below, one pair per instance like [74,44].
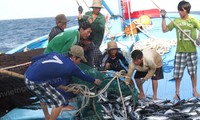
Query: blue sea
[18,31]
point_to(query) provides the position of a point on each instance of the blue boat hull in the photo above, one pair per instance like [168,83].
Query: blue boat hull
[166,86]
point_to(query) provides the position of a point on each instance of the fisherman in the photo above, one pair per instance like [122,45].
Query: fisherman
[62,42]
[186,52]
[113,59]
[88,47]
[148,64]
[48,72]
[61,24]
[97,21]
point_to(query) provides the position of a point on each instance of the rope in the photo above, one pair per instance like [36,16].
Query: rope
[10,73]
[84,90]
[76,89]
[86,5]
[120,91]
[138,27]
[19,65]
[77,3]
[129,16]
[94,107]
[161,45]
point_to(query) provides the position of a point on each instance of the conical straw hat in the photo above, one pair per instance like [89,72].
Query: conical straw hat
[97,4]
[112,45]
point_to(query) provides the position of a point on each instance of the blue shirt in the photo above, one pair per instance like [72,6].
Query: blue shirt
[55,69]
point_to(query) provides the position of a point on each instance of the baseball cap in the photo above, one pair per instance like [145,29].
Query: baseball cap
[61,18]
[78,52]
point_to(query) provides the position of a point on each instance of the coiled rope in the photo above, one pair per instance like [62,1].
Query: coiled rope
[161,45]
[84,90]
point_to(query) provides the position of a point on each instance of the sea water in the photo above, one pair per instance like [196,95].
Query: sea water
[15,32]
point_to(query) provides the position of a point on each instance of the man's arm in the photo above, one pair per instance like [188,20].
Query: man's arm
[128,77]
[164,26]
[150,73]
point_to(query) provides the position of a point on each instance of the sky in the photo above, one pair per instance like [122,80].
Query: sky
[16,9]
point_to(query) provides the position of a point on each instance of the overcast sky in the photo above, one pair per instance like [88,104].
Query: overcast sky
[14,9]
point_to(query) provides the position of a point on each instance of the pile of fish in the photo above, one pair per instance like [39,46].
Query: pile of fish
[147,109]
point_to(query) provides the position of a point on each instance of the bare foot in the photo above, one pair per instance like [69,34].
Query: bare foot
[154,98]
[141,97]
[69,107]
[47,117]
[177,97]
[196,95]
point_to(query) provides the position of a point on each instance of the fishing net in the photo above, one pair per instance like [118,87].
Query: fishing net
[94,109]
[13,92]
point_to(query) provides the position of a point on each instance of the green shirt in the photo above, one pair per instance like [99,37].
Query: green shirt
[189,26]
[98,27]
[63,41]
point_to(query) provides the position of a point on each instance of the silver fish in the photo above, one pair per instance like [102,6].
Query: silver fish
[156,118]
[117,117]
[134,116]
[105,109]
[197,117]
[170,111]
[102,98]
[127,103]
[107,117]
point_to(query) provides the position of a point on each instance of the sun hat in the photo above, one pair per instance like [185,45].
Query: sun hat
[78,52]
[112,45]
[97,4]
[61,18]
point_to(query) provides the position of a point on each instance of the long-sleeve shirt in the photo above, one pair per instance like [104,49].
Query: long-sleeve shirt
[56,69]
[98,28]
[116,64]
[151,61]
[55,31]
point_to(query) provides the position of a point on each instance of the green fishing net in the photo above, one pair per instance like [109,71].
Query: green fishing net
[94,107]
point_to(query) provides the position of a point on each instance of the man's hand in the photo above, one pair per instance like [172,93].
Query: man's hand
[127,80]
[97,81]
[85,17]
[163,13]
[80,9]
[90,20]
[107,66]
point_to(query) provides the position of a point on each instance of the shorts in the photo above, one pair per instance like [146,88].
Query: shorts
[157,75]
[46,93]
[181,61]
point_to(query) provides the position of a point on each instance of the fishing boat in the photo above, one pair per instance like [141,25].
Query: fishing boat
[150,36]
